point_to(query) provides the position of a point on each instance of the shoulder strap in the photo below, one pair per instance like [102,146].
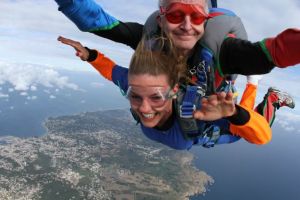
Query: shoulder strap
[221,23]
[187,102]
[214,3]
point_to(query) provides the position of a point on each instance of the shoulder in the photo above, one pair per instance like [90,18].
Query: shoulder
[222,22]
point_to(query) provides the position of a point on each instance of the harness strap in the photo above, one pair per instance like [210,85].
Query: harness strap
[188,106]
[214,135]
[211,136]
[214,3]
[204,70]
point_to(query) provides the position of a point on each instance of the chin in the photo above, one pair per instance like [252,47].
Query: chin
[149,124]
[184,45]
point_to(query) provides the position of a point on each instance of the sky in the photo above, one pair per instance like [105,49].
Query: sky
[30,54]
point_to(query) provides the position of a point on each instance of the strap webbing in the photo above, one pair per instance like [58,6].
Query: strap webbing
[188,106]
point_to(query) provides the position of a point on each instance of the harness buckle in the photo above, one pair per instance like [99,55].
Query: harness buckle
[186,111]
[201,91]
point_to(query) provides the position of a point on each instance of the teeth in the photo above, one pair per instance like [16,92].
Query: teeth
[149,116]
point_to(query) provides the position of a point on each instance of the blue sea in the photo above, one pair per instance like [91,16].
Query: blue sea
[24,118]
[243,171]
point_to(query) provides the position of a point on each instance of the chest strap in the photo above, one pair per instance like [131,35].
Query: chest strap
[188,105]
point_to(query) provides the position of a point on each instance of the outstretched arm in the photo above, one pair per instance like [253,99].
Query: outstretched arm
[106,67]
[89,16]
[243,57]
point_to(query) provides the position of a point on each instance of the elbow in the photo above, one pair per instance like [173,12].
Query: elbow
[258,135]
[261,137]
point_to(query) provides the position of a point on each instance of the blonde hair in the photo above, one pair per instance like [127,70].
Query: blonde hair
[152,58]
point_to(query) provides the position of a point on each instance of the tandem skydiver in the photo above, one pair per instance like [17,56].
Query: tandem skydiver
[151,85]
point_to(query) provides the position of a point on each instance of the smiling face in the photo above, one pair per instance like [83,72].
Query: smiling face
[149,97]
[185,23]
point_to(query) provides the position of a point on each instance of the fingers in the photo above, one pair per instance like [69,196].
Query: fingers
[81,52]
[75,44]
[229,96]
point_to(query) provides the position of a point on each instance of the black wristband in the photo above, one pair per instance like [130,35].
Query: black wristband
[92,54]
[241,117]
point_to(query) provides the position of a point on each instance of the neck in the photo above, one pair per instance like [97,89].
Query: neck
[185,52]
[164,121]
[166,125]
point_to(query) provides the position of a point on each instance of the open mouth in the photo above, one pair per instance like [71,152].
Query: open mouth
[148,115]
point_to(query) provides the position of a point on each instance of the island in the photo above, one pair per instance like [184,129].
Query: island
[96,155]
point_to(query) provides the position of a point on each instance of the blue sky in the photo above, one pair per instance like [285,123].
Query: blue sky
[29,28]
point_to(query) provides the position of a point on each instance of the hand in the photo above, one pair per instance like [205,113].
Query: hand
[81,52]
[216,106]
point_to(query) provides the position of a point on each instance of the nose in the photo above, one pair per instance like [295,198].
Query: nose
[186,24]
[145,106]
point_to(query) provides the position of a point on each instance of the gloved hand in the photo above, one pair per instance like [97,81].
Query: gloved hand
[254,79]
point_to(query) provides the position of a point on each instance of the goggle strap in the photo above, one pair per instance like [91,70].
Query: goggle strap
[121,90]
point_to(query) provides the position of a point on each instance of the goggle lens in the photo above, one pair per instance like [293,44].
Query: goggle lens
[175,13]
[178,17]
[156,96]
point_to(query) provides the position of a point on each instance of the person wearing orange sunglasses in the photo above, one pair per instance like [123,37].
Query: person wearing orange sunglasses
[181,20]
[151,84]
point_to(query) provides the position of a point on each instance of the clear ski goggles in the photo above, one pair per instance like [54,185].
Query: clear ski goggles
[155,96]
[175,13]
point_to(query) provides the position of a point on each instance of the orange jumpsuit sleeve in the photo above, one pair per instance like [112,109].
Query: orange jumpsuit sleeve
[104,66]
[256,130]
[249,96]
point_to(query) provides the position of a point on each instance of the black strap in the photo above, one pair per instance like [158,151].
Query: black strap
[214,3]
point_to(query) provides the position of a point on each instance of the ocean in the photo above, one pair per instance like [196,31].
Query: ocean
[22,117]
[246,171]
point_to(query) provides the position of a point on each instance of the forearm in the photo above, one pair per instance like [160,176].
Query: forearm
[87,15]
[129,33]
[90,17]
[101,63]
[108,69]
[243,57]
[284,49]
[256,130]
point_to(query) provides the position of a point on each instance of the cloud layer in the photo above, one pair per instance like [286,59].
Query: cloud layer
[24,77]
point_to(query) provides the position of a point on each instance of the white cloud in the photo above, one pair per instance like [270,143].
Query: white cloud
[25,77]
[23,93]
[288,120]
[97,84]
[52,97]
[3,95]
[33,88]
[31,97]
[288,116]
[265,18]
